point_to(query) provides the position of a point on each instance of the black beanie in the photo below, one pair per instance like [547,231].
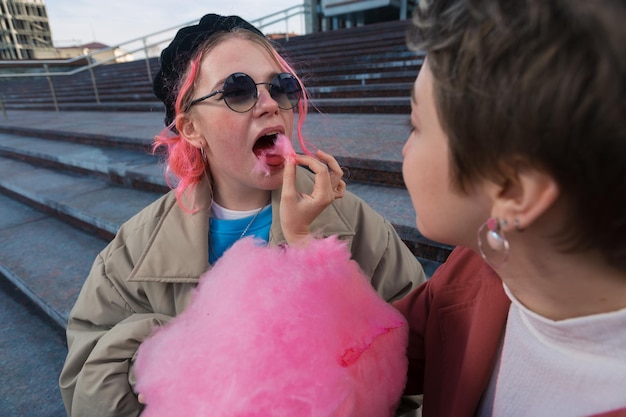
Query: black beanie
[176,56]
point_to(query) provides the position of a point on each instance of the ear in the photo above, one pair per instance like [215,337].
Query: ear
[186,125]
[526,194]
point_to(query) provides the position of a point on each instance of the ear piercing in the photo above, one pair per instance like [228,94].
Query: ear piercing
[492,242]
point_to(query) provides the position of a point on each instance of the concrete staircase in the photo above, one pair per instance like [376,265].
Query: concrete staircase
[367,69]
[92,181]
[69,179]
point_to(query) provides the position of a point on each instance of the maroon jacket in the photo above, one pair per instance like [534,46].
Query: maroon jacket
[456,320]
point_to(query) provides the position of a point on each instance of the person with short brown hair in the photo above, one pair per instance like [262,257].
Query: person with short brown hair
[518,157]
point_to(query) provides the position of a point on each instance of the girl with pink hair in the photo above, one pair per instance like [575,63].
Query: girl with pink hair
[230,100]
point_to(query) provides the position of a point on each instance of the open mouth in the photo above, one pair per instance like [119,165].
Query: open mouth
[264,144]
[271,151]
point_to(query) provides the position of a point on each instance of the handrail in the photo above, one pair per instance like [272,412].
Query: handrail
[260,23]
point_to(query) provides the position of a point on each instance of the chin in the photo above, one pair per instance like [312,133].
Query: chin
[272,180]
[428,233]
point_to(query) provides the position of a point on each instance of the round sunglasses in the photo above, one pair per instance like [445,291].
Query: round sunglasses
[241,94]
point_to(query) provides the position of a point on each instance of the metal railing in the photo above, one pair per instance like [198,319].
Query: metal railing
[149,46]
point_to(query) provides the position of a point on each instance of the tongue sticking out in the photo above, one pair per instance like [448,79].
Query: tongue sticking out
[273,155]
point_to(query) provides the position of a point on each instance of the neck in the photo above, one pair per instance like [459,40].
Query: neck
[560,286]
[252,200]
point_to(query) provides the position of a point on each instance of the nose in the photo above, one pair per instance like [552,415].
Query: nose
[265,103]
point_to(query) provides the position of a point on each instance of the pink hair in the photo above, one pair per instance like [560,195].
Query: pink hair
[184,161]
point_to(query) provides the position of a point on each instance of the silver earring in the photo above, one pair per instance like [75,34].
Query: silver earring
[492,242]
[203,154]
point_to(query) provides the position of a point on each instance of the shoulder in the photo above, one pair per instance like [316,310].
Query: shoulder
[140,227]
[464,276]
[155,210]
[152,213]
[464,285]
[465,260]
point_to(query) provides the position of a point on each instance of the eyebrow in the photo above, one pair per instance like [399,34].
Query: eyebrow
[219,84]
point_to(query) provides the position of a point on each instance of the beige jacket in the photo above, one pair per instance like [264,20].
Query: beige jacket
[145,276]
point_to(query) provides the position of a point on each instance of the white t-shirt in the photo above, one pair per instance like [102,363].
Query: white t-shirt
[573,367]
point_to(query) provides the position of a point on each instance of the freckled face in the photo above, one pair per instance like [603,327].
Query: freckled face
[231,136]
[443,213]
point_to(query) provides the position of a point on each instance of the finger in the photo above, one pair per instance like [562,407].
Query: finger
[331,162]
[340,189]
[336,173]
[289,178]
[310,161]
[315,165]
[323,186]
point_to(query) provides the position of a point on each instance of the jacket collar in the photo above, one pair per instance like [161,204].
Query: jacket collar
[178,249]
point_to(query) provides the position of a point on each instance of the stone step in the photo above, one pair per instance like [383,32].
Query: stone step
[370,153]
[69,179]
[83,184]
[360,57]
[52,226]
[113,150]
[45,258]
[91,204]
[134,168]
[364,99]
[53,222]
[33,352]
[377,105]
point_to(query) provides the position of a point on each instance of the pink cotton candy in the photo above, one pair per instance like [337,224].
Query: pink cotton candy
[275,155]
[278,332]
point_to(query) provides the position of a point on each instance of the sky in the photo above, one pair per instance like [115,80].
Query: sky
[111,22]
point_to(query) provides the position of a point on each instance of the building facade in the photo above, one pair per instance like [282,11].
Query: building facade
[24,29]
[339,14]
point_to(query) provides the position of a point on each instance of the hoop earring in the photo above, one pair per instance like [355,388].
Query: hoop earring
[496,249]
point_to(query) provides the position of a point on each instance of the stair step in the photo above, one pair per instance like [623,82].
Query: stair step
[44,257]
[361,56]
[77,215]
[370,151]
[33,352]
[90,200]
[134,168]
[69,180]
[92,204]
[89,172]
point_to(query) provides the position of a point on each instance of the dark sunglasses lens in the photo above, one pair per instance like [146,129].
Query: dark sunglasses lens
[286,91]
[239,92]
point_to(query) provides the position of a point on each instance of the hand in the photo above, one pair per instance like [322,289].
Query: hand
[298,210]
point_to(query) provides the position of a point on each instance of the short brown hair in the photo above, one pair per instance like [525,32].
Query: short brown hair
[543,81]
